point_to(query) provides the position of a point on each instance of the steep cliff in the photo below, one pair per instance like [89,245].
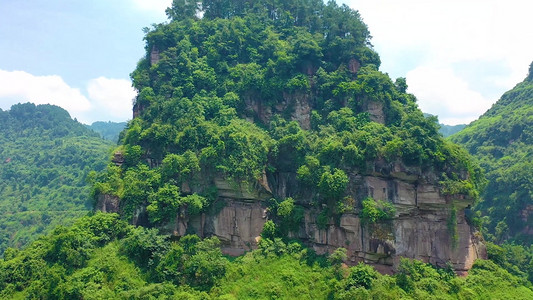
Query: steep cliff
[247,117]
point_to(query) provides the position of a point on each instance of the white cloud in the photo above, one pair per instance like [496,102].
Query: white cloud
[111,97]
[156,6]
[442,35]
[441,92]
[105,99]
[19,86]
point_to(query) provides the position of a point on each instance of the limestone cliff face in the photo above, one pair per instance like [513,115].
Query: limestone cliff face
[421,228]
[427,225]
[108,203]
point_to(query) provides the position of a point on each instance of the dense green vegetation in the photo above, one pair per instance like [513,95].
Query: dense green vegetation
[502,140]
[305,73]
[102,257]
[226,95]
[108,130]
[45,157]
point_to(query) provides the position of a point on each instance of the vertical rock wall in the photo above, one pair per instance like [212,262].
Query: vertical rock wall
[421,228]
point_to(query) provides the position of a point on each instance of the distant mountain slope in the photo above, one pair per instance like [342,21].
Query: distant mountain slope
[108,130]
[45,157]
[502,139]
[447,130]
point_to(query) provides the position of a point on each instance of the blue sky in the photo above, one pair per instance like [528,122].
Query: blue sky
[458,56]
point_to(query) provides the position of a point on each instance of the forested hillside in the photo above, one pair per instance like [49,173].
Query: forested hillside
[102,257]
[447,130]
[502,140]
[45,157]
[108,130]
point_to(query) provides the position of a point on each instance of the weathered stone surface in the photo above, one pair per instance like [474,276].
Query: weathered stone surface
[154,56]
[526,216]
[263,112]
[302,110]
[297,103]
[118,158]
[108,203]
[375,111]
[241,191]
[429,195]
[237,225]
[420,229]
[354,65]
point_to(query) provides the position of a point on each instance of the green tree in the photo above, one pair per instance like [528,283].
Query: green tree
[333,183]
[182,9]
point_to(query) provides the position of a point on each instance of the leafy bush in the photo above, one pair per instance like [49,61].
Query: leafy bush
[375,211]
[361,276]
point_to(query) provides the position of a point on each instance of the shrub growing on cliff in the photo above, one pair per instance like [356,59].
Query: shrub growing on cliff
[269,230]
[289,216]
[451,224]
[374,211]
[332,184]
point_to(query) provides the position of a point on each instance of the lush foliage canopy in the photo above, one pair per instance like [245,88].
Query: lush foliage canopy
[240,90]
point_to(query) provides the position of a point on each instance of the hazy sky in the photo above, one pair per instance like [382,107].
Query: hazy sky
[458,56]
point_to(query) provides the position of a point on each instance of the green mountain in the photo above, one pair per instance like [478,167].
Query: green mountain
[45,157]
[276,116]
[502,140]
[108,130]
[265,129]
[447,130]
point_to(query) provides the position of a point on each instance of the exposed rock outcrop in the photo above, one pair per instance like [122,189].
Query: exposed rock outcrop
[297,103]
[421,228]
[108,203]
[527,214]
[354,65]
[154,56]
